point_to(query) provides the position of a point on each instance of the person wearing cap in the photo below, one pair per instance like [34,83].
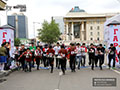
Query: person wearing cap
[3,57]
[78,54]
[91,52]
[57,48]
[38,56]
[63,53]
[51,53]
[45,60]
[72,54]
[28,59]
[101,52]
[32,49]
[111,55]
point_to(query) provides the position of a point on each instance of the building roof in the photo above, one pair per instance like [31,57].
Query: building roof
[84,14]
[76,9]
[76,12]
[113,20]
[7,27]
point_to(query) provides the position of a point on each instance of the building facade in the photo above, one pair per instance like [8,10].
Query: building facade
[20,23]
[60,22]
[83,27]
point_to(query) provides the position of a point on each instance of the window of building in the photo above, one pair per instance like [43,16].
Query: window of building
[77,30]
[98,21]
[98,38]
[91,28]
[91,33]
[91,22]
[98,33]
[91,38]
[98,27]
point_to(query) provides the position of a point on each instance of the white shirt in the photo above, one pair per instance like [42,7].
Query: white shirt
[57,49]
[78,51]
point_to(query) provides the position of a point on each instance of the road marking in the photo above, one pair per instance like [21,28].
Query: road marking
[56,89]
[116,71]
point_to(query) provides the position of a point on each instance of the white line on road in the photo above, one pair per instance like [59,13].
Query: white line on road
[116,71]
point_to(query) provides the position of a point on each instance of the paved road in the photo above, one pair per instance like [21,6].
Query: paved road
[43,80]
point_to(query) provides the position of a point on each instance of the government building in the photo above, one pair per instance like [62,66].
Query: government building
[80,26]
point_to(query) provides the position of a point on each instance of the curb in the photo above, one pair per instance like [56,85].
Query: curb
[7,73]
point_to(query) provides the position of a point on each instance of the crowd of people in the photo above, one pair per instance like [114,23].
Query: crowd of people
[74,54]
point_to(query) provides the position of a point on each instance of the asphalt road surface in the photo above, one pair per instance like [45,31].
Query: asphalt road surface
[44,80]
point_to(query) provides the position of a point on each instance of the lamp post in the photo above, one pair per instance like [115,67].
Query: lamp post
[34,28]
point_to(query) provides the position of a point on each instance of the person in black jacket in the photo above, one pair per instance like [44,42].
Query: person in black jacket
[111,55]
[101,52]
[22,59]
[91,52]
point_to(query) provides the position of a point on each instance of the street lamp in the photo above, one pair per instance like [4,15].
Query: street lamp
[34,27]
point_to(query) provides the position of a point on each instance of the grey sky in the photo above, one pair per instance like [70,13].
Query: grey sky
[38,10]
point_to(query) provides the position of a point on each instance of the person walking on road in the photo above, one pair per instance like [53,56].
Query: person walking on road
[51,53]
[32,49]
[111,55]
[3,57]
[91,52]
[57,48]
[28,59]
[63,54]
[72,53]
[101,52]
[38,56]
[78,55]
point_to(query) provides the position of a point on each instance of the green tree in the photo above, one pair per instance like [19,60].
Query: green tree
[17,41]
[49,33]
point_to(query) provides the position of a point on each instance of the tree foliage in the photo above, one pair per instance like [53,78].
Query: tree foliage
[49,33]
[17,42]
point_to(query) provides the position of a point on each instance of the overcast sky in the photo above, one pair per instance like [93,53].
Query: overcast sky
[40,10]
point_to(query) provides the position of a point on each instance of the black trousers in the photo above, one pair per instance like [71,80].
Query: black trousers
[27,65]
[57,61]
[72,63]
[51,60]
[110,57]
[22,61]
[92,61]
[45,61]
[63,64]
[96,60]
[101,60]
[38,62]
[83,60]
[33,61]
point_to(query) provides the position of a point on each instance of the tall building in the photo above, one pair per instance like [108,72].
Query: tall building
[81,26]
[20,23]
[60,22]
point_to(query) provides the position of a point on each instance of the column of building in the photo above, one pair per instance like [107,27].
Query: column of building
[66,31]
[82,31]
[72,31]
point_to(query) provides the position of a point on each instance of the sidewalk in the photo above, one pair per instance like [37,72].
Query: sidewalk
[3,74]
